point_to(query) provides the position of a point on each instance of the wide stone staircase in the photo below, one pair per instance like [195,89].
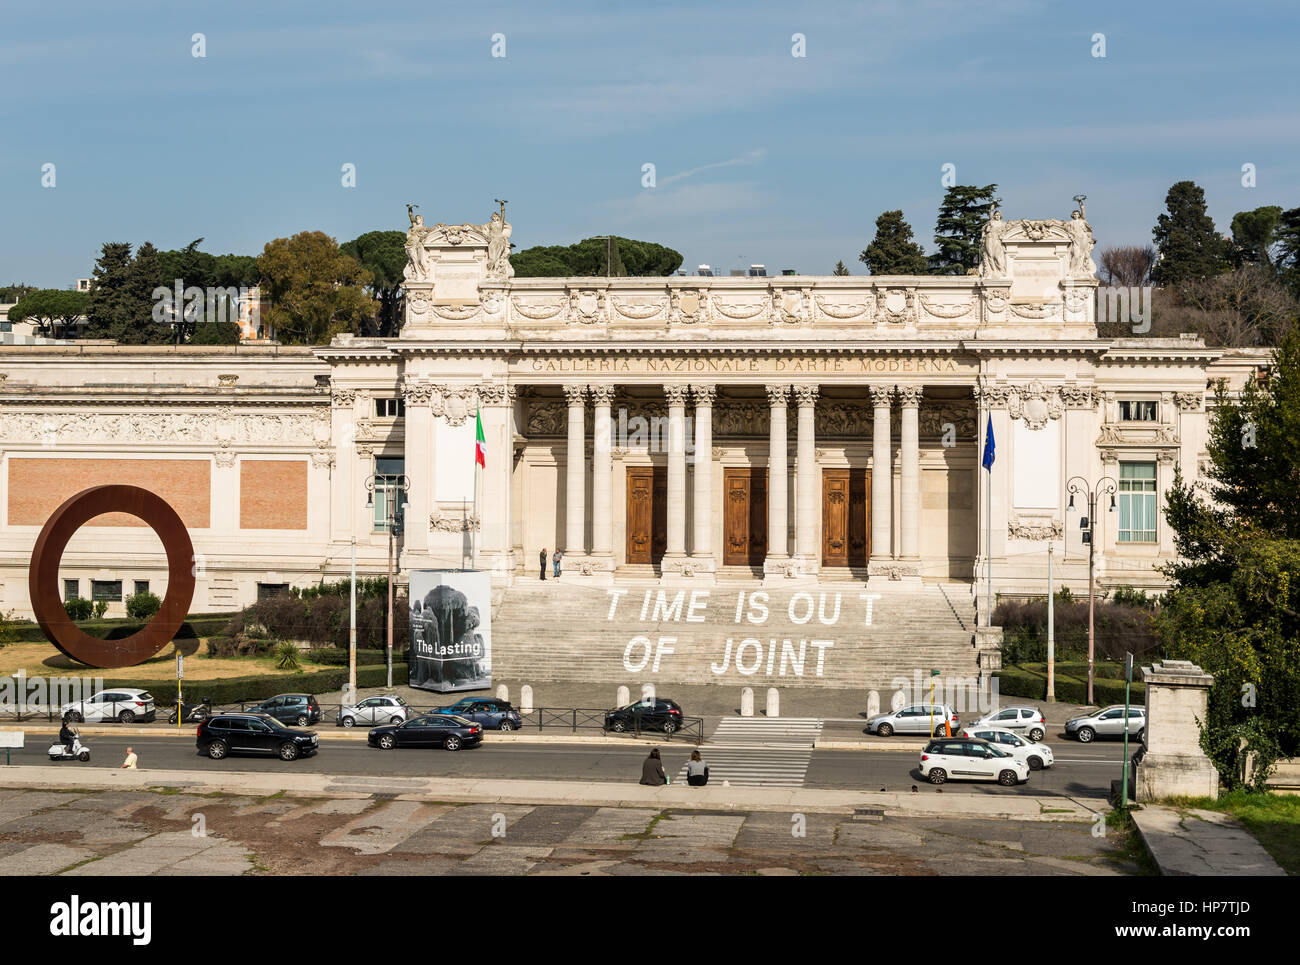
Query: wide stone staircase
[734,633]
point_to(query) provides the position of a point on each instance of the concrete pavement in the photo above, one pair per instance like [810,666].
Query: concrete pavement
[1188,841]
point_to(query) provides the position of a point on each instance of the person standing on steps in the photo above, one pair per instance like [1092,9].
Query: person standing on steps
[652,770]
[543,559]
[697,772]
[555,560]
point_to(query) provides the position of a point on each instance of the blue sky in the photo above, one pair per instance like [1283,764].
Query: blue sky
[760,156]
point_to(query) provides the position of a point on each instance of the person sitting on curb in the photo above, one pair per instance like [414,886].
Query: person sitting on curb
[652,770]
[697,772]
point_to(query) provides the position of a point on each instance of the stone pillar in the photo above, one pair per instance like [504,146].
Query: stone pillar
[778,548]
[806,536]
[1177,694]
[602,468]
[882,473]
[575,510]
[418,455]
[676,543]
[494,546]
[910,397]
[702,531]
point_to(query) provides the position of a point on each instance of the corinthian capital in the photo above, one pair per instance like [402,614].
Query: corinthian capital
[806,394]
[677,394]
[576,394]
[602,394]
[704,394]
[881,395]
[910,395]
[778,395]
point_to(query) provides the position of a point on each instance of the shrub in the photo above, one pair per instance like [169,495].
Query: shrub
[101,607]
[142,606]
[322,620]
[1118,628]
[240,645]
[78,609]
[286,655]
[8,628]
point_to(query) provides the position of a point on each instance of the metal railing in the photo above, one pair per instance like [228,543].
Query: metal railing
[577,719]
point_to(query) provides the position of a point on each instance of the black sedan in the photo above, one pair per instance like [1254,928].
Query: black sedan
[648,714]
[433,730]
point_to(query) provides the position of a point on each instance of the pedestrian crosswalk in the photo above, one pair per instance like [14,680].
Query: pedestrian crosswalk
[759,752]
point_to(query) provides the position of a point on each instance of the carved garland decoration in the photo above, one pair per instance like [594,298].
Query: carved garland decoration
[539,312]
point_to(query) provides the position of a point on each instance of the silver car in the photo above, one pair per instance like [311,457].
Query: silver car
[1108,722]
[1023,720]
[387,709]
[914,719]
[1037,756]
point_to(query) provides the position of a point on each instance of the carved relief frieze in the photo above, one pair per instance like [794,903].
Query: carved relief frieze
[940,309]
[453,522]
[690,306]
[1035,403]
[846,311]
[739,310]
[1189,401]
[587,306]
[538,311]
[896,306]
[224,427]
[1034,528]
[638,310]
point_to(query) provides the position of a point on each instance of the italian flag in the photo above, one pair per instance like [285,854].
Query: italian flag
[480,441]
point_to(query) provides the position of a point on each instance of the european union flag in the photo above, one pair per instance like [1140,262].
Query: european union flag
[988,446]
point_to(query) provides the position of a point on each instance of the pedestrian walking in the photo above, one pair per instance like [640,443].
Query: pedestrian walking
[652,770]
[697,772]
[555,559]
[131,760]
[543,559]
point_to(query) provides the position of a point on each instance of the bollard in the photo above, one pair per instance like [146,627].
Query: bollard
[873,703]
[747,702]
[525,699]
[503,694]
[647,691]
[773,703]
[897,701]
[623,697]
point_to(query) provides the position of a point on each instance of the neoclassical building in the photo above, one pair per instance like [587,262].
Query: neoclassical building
[686,430]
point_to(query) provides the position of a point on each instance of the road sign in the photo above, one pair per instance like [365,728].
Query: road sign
[180,666]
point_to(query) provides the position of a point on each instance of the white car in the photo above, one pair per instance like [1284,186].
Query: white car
[386,709]
[126,705]
[963,759]
[1023,720]
[1037,756]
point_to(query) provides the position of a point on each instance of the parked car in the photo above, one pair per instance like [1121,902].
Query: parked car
[915,719]
[1023,720]
[1037,756]
[301,710]
[430,730]
[386,709]
[656,713]
[1107,722]
[492,713]
[963,759]
[249,733]
[126,705]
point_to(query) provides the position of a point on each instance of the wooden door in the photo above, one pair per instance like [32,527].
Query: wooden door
[744,527]
[647,513]
[845,517]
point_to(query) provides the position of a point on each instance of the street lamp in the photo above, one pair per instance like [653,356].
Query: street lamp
[1103,486]
[389,488]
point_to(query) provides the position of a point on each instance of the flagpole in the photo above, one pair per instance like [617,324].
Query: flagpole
[473,522]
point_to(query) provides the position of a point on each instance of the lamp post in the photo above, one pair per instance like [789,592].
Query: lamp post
[1104,485]
[390,489]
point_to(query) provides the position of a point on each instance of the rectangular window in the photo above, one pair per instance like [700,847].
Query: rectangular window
[1137,411]
[1137,502]
[71,589]
[108,590]
[141,586]
[388,469]
[390,408]
[268,591]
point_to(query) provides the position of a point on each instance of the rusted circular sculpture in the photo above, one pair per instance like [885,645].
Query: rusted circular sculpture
[43,576]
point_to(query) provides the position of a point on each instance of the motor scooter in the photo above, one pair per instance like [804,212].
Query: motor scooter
[80,752]
[194,713]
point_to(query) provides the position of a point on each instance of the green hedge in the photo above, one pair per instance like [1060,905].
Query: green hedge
[203,626]
[231,690]
[335,657]
[1030,680]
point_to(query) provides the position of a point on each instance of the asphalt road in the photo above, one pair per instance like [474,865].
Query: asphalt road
[1080,771]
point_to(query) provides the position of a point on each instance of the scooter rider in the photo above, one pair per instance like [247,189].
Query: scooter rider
[67,733]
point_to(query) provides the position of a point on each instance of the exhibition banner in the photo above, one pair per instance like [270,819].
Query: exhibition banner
[451,630]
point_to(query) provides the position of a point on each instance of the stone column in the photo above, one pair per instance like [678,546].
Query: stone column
[602,468]
[882,473]
[910,397]
[1177,694]
[807,488]
[418,456]
[575,511]
[778,548]
[702,531]
[676,543]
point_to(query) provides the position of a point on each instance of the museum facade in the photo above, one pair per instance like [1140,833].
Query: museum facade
[682,430]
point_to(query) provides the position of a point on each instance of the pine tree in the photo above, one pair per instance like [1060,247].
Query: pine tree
[1288,250]
[962,214]
[893,252]
[106,313]
[840,269]
[1189,247]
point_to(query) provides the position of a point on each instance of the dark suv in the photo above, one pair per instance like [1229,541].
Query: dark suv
[253,734]
[301,710]
[488,711]
[656,714]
